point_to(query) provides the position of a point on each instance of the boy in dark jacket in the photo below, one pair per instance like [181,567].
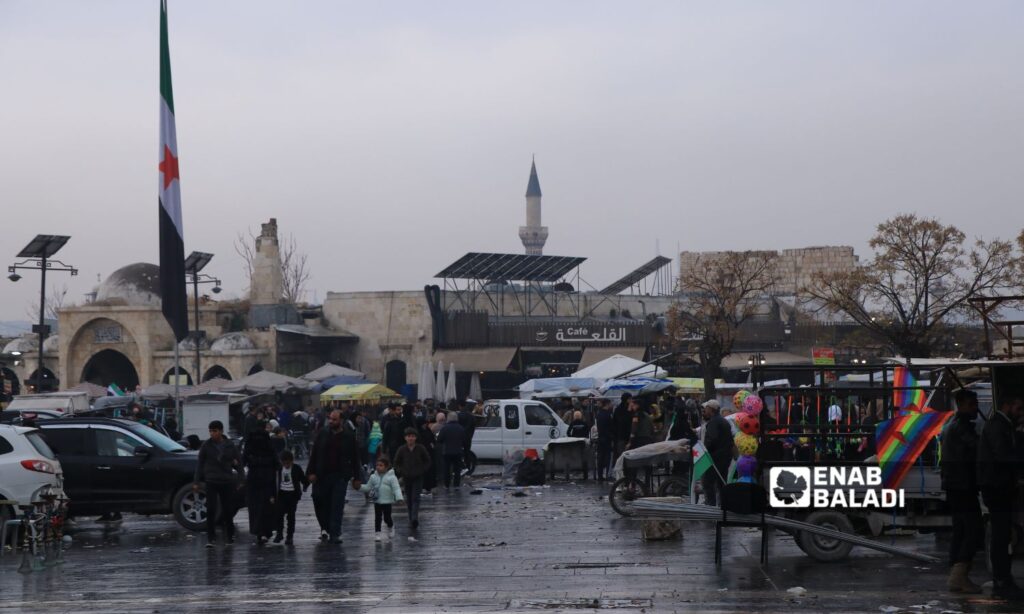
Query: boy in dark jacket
[220,471]
[412,462]
[291,482]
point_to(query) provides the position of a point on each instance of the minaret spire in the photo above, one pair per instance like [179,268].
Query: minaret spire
[533,235]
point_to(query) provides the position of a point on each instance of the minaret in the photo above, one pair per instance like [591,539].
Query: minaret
[533,235]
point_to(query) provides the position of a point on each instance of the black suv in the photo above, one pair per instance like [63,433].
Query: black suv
[113,465]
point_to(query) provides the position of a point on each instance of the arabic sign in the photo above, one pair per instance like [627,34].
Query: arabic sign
[585,334]
[107,334]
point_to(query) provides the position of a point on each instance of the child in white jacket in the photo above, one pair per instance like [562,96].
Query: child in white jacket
[384,491]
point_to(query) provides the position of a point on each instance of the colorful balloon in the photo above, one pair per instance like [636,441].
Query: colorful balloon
[746,444]
[753,404]
[746,466]
[749,423]
[737,399]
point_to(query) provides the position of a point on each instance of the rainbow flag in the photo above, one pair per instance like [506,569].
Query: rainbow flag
[903,378]
[901,440]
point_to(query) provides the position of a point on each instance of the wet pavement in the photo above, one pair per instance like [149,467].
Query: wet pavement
[559,548]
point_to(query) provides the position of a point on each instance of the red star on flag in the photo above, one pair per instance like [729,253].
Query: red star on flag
[169,167]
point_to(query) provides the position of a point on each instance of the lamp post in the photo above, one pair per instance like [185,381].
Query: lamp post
[195,262]
[38,255]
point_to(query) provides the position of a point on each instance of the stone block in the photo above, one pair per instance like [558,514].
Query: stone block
[653,529]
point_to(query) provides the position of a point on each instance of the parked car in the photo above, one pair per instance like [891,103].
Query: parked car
[113,465]
[19,416]
[28,468]
[514,424]
[66,402]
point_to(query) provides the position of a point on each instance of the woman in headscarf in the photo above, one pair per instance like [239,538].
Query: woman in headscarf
[263,467]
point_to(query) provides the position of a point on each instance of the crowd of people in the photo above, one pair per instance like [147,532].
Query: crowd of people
[391,455]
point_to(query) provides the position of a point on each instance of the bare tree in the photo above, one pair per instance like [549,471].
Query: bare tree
[920,278]
[295,272]
[245,246]
[716,296]
[294,269]
[55,300]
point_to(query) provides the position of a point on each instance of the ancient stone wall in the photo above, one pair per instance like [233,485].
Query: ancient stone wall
[390,326]
[796,267]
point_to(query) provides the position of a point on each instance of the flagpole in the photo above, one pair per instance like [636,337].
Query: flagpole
[177,392]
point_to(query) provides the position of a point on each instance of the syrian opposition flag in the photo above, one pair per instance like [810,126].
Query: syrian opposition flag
[174,299]
[701,463]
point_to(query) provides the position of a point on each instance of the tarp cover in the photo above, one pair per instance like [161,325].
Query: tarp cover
[267,381]
[654,454]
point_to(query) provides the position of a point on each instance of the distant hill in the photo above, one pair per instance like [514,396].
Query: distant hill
[14,328]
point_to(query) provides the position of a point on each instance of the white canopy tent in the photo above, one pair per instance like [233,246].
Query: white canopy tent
[620,366]
[329,370]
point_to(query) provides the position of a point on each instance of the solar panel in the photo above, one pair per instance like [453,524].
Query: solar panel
[637,275]
[510,267]
[43,246]
[196,261]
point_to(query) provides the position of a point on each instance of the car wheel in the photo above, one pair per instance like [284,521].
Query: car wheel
[826,549]
[623,493]
[190,508]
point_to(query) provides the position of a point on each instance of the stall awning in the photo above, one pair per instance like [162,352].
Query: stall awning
[317,332]
[477,359]
[595,355]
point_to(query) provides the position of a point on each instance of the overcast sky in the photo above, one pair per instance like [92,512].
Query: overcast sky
[391,138]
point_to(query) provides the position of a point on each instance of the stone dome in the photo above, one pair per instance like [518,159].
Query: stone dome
[51,345]
[24,344]
[188,344]
[136,284]
[232,341]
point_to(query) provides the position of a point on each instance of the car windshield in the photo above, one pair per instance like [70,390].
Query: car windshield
[157,438]
[39,444]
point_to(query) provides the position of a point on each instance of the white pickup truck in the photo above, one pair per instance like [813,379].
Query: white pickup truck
[515,424]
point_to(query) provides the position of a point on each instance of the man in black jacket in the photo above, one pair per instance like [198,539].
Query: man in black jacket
[997,477]
[622,427]
[604,439]
[719,444]
[333,461]
[959,455]
[469,427]
[219,470]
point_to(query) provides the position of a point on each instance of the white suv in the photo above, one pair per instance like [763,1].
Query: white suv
[28,467]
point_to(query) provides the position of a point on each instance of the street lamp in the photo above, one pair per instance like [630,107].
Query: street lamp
[37,256]
[195,262]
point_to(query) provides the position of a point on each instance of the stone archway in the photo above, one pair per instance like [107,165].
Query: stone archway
[49,381]
[216,371]
[108,367]
[256,368]
[92,339]
[168,377]
[395,375]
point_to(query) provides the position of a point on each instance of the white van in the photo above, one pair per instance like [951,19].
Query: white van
[61,402]
[515,424]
